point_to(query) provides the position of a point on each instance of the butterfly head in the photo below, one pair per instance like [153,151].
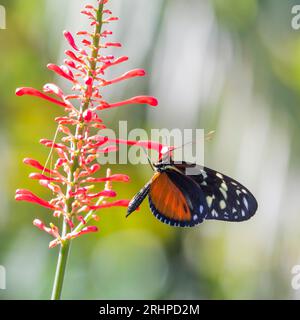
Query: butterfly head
[165,159]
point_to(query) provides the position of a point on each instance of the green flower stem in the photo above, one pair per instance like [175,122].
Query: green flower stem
[61,266]
[66,243]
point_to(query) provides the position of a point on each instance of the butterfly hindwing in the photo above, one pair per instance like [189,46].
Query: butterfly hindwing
[226,198]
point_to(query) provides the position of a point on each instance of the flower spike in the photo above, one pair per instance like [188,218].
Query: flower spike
[75,181]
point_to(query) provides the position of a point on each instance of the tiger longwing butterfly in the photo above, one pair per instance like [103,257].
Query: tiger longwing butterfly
[184,200]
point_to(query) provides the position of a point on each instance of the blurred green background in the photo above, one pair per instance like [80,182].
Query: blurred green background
[230,66]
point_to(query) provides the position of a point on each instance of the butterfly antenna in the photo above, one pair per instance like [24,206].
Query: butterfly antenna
[207,136]
[183,145]
[149,160]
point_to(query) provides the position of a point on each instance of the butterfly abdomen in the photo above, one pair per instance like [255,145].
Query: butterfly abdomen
[138,199]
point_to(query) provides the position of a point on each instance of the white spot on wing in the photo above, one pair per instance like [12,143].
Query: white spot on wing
[246,203]
[222,204]
[214,213]
[209,201]
[224,186]
[224,193]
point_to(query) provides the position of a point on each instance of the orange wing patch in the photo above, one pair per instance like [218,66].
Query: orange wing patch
[168,199]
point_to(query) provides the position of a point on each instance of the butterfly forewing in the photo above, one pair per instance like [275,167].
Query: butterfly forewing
[176,199]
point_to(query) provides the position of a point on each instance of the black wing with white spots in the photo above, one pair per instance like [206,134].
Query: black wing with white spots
[226,198]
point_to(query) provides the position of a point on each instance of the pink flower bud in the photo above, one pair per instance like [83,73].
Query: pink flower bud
[71,40]
[89,14]
[81,219]
[89,229]
[65,130]
[94,168]
[106,33]
[85,230]
[112,19]
[70,63]
[89,83]
[88,115]
[86,42]
[52,231]
[112,63]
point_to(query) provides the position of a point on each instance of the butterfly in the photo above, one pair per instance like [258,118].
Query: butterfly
[185,194]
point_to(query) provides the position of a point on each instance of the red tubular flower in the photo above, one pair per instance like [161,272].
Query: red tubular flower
[104,193]
[75,181]
[26,195]
[52,144]
[73,56]
[60,71]
[33,92]
[38,176]
[119,203]
[114,177]
[135,100]
[85,230]
[52,231]
[112,44]
[127,75]
[35,164]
